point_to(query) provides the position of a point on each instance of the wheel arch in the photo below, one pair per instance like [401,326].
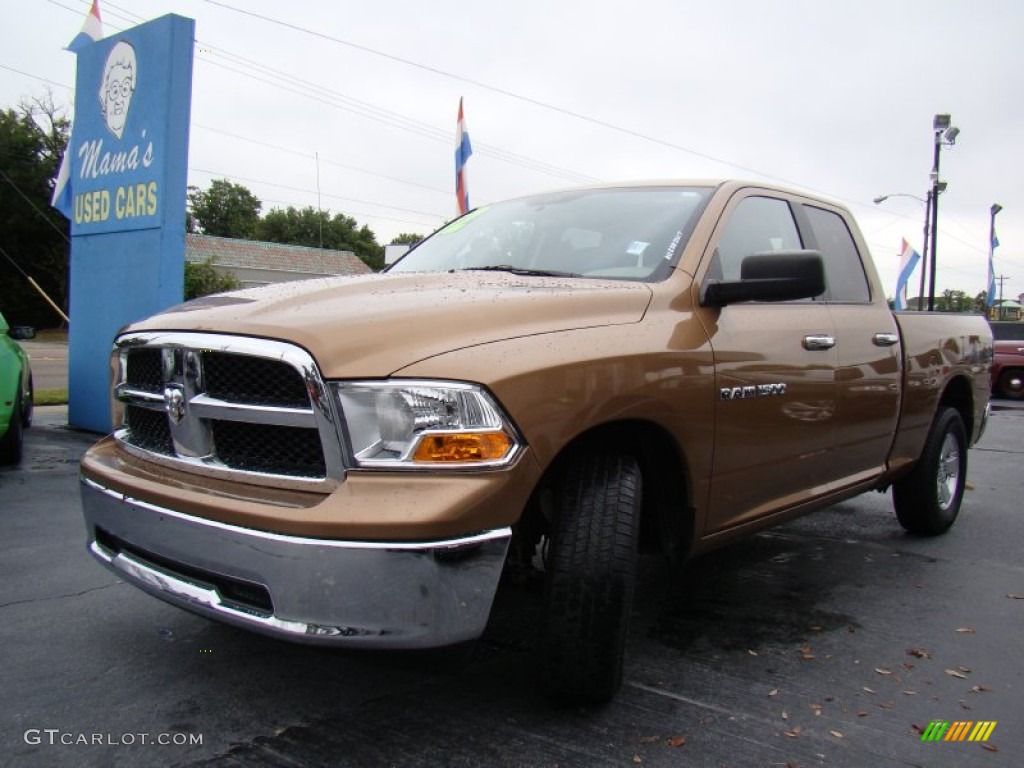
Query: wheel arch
[667,519]
[959,395]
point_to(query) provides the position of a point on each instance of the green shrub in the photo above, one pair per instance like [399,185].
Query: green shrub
[202,279]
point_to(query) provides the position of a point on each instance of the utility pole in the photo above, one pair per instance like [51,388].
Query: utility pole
[319,209]
[1001,279]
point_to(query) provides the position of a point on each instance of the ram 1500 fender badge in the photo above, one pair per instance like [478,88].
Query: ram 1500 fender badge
[752,391]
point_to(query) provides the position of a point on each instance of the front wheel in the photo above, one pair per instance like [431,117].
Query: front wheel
[590,578]
[1011,384]
[927,501]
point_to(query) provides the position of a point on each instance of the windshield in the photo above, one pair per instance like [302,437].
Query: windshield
[628,233]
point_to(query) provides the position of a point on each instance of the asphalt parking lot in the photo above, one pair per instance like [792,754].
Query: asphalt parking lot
[834,640]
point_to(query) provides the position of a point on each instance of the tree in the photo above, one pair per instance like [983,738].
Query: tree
[32,234]
[319,229]
[407,238]
[225,210]
[953,301]
[202,279]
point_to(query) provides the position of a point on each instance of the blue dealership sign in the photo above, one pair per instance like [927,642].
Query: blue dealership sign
[126,196]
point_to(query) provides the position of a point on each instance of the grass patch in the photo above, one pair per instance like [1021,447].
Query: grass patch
[50,397]
[52,334]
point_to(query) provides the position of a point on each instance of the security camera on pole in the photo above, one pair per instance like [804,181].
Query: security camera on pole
[945,134]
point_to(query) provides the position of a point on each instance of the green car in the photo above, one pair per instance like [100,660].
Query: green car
[15,391]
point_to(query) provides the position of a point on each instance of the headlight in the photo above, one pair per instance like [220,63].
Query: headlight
[401,424]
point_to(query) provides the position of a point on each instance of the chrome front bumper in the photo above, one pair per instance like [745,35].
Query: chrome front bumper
[319,591]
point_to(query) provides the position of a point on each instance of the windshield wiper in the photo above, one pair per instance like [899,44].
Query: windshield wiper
[520,271]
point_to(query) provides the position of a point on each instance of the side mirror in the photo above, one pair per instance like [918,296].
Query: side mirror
[770,276]
[22,332]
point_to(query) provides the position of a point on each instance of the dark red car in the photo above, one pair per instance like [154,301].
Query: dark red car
[1008,370]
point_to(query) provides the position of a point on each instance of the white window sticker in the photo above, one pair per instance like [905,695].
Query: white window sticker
[672,246]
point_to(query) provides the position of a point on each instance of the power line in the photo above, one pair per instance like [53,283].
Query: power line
[368,111]
[352,213]
[28,200]
[431,131]
[507,93]
[365,109]
[36,77]
[313,191]
[325,160]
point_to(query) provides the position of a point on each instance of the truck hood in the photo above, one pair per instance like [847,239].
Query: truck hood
[373,325]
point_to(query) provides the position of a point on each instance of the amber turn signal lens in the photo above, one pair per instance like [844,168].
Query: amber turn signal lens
[462,447]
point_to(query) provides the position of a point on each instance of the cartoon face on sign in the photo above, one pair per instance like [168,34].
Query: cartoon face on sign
[119,77]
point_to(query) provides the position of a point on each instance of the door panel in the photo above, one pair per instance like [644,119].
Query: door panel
[775,411]
[868,382]
[775,366]
[867,346]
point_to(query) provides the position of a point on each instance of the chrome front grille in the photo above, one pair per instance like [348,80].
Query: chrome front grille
[148,429]
[144,369]
[270,449]
[225,405]
[254,380]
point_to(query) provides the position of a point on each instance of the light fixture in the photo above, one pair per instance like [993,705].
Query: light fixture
[940,123]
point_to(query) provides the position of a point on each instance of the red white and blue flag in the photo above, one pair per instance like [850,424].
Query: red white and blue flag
[908,261]
[92,29]
[463,149]
[990,297]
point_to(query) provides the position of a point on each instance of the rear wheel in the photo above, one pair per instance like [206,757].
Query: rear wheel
[11,442]
[590,578]
[927,501]
[1011,384]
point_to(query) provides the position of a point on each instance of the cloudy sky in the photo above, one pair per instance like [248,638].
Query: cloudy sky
[832,97]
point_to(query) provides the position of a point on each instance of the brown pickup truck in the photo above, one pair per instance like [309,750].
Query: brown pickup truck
[562,380]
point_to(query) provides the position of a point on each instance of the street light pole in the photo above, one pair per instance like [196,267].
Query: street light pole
[924,256]
[927,202]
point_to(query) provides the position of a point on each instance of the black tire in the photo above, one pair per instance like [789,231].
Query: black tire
[590,579]
[29,408]
[11,442]
[1011,384]
[927,501]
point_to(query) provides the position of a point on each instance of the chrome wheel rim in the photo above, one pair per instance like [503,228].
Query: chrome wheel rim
[949,471]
